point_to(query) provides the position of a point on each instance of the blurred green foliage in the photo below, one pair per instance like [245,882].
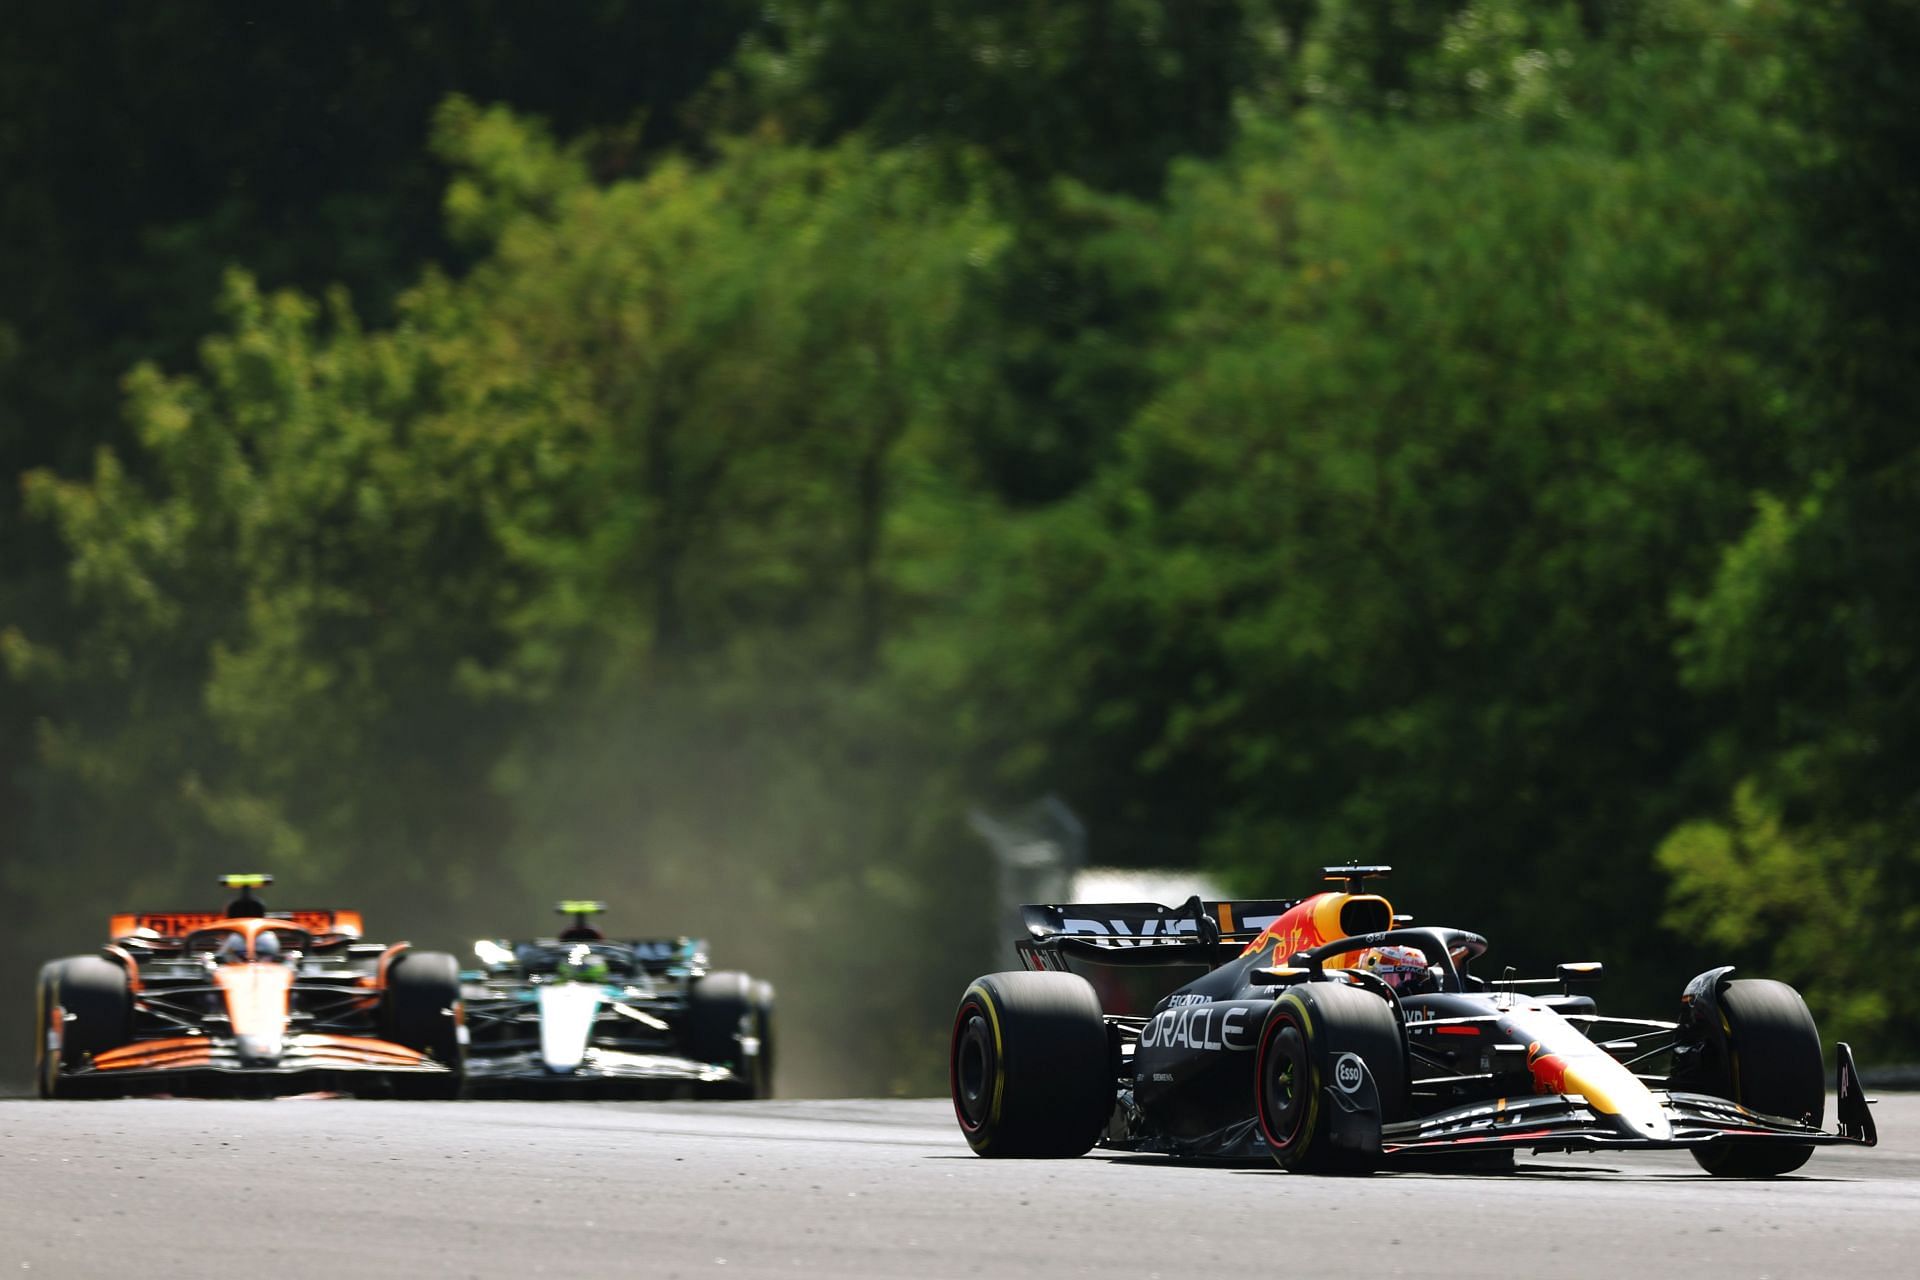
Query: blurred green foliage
[1471,436]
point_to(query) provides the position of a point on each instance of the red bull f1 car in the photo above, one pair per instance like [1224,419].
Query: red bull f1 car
[583,1014]
[248,1000]
[1290,1043]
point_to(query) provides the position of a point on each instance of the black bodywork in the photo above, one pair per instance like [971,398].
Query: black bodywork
[1475,1069]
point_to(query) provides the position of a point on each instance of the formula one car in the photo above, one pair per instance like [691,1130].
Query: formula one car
[1288,1045]
[248,1000]
[584,1015]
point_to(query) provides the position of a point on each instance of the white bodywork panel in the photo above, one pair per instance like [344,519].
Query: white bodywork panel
[567,1011]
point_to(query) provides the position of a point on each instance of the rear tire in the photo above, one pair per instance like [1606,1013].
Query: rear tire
[422,1012]
[1766,1058]
[95,1004]
[1311,1027]
[1029,1066]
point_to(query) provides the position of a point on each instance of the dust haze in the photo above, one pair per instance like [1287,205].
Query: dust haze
[823,871]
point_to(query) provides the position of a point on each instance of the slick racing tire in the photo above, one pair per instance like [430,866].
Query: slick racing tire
[1030,1067]
[729,1023]
[1313,1029]
[762,996]
[1767,1059]
[93,1003]
[45,1033]
[422,1012]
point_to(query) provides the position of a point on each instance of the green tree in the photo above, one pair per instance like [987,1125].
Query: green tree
[1805,637]
[1103,91]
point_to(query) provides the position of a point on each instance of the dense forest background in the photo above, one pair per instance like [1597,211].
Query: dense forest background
[691,452]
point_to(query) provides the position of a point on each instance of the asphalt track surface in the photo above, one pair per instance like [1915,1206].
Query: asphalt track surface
[332,1187]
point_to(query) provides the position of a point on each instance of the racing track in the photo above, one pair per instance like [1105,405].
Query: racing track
[331,1188]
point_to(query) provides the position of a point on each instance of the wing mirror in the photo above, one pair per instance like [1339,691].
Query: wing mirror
[1578,971]
[492,954]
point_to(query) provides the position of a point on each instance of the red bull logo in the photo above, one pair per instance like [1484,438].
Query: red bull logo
[1322,918]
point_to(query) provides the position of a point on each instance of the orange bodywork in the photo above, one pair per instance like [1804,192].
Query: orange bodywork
[1322,918]
[1576,1065]
[183,1051]
[178,924]
[232,997]
[127,962]
[387,958]
[257,994]
[316,1051]
[256,997]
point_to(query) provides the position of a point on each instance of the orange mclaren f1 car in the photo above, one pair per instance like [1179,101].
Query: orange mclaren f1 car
[249,1001]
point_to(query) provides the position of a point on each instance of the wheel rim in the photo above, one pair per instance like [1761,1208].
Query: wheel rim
[972,1069]
[1285,1085]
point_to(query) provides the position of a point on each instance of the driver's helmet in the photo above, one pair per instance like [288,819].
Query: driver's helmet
[233,949]
[581,965]
[1404,969]
[266,946]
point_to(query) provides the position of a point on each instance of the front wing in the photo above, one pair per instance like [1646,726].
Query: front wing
[1566,1122]
[527,1067]
[212,1055]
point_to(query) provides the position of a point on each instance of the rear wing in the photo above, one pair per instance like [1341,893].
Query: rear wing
[1146,933]
[658,955]
[150,925]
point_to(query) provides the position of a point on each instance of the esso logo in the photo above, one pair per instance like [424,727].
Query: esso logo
[1349,1073]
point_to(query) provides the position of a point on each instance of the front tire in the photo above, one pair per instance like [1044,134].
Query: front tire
[85,1007]
[730,1024]
[1766,1057]
[1029,1066]
[45,1033]
[1312,1027]
[762,996]
[422,1012]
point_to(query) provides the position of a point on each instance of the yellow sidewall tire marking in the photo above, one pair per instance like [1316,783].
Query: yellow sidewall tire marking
[1299,1006]
[999,1068]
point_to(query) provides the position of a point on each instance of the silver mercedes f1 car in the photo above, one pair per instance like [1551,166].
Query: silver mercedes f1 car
[583,1014]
